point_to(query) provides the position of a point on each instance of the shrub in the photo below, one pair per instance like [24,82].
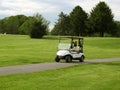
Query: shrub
[38,30]
[39,27]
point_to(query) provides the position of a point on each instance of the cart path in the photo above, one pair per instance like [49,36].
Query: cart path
[47,66]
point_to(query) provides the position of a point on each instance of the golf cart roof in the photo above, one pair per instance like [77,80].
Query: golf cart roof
[72,37]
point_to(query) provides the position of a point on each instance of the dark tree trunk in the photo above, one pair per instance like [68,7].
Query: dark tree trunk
[101,34]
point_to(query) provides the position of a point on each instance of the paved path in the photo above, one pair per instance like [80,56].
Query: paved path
[47,66]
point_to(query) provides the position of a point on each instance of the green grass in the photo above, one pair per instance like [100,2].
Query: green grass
[20,49]
[104,76]
[16,50]
[102,47]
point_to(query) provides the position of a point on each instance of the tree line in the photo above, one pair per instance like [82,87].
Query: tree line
[100,22]
[36,26]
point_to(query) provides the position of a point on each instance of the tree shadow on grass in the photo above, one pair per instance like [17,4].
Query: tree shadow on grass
[113,64]
[51,37]
[106,63]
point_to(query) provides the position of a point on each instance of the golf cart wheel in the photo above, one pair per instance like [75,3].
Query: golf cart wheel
[68,58]
[57,59]
[81,59]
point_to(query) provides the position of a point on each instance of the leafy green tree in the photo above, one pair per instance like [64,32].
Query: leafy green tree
[38,30]
[1,26]
[40,27]
[11,24]
[62,26]
[55,31]
[26,27]
[78,19]
[116,31]
[21,19]
[44,22]
[101,19]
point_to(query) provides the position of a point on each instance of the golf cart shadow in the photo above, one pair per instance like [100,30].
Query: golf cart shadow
[73,61]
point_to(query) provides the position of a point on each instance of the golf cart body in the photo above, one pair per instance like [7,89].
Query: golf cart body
[70,51]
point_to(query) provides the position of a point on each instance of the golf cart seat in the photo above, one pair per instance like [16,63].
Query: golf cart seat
[76,49]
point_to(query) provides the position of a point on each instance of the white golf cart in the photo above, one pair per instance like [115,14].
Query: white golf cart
[70,51]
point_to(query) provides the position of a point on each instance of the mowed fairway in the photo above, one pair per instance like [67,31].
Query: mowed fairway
[106,47]
[20,49]
[104,76]
[17,49]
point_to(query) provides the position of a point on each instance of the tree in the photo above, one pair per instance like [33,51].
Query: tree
[1,26]
[11,24]
[26,27]
[78,19]
[62,26]
[116,31]
[40,27]
[101,19]
[21,19]
[38,30]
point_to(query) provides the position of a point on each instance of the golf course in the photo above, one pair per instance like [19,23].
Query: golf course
[22,50]
[59,45]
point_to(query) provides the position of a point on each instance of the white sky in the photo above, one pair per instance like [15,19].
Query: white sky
[51,8]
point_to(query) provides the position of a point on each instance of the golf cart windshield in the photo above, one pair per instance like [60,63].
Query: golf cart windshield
[63,46]
[75,43]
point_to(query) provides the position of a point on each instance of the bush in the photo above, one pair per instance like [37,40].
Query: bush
[39,27]
[38,30]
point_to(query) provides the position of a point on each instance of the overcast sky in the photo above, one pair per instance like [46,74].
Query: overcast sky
[51,8]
